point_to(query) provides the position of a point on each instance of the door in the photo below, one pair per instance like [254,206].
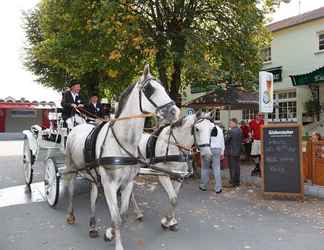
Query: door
[2,120]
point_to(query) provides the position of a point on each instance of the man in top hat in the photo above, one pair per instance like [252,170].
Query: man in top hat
[71,99]
[95,107]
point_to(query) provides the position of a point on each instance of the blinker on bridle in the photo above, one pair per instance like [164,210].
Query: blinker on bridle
[148,90]
[194,134]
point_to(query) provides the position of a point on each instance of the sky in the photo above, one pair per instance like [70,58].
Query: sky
[17,82]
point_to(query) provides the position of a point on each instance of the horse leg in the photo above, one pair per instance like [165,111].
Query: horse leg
[137,210]
[169,221]
[125,198]
[93,232]
[70,219]
[110,190]
[177,185]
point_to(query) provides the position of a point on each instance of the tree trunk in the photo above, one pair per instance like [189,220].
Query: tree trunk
[178,45]
[161,65]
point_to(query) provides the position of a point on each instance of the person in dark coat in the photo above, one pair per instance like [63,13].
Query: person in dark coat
[71,99]
[95,107]
[233,144]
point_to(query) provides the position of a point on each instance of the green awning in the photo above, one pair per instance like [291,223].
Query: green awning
[315,77]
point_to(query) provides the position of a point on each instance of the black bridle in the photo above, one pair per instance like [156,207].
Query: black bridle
[148,90]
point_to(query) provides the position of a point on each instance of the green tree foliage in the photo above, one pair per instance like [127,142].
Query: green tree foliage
[207,41]
[91,41]
[105,43]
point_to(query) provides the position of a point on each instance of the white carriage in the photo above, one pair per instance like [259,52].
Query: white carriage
[46,145]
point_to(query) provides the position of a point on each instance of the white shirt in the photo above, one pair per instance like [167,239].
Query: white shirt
[74,95]
[218,141]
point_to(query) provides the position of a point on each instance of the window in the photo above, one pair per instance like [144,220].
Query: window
[249,114]
[23,113]
[321,41]
[266,54]
[285,107]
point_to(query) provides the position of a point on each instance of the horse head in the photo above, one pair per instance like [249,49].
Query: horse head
[154,98]
[201,132]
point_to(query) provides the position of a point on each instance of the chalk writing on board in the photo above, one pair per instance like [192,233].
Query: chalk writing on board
[281,159]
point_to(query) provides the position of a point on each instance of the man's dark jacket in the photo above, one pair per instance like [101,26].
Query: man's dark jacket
[67,101]
[97,111]
[233,142]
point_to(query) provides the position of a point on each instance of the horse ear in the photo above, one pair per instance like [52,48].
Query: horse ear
[198,114]
[146,71]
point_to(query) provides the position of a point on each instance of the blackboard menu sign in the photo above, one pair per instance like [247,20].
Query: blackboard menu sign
[281,160]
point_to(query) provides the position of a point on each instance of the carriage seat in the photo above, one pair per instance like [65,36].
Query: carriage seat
[90,143]
[151,143]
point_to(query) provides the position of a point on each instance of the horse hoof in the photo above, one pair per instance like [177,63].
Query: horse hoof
[70,219]
[93,233]
[174,228]
[164,223]
[109,235]
[140,217]
[164,227]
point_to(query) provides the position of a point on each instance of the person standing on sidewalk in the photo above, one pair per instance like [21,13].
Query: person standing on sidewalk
[217,146]
[233,151]
[246,140]
[255,126]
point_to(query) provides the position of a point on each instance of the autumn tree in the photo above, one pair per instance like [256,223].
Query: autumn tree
[105,43]
[204,41]
[91,41]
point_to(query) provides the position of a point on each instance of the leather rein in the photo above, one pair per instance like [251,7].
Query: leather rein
[122,160]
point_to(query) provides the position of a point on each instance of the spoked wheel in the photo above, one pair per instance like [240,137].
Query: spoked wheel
[28,163]
[52,181]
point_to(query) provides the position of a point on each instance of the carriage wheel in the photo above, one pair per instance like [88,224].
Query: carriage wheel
[52,182]
[28,163]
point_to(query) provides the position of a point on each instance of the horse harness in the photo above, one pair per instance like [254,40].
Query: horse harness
[151,147]
[92,163]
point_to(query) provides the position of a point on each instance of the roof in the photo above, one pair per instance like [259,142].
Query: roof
[10,102]
[296,20]
[232,97]
[314,77]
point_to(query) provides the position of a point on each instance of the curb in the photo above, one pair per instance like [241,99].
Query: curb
[309,189]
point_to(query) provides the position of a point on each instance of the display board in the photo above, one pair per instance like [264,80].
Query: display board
[281,160]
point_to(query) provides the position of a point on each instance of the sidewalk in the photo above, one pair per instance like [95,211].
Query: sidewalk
[246,168]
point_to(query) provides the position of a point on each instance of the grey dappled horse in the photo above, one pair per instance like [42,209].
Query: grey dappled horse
[118,140]
[185,132]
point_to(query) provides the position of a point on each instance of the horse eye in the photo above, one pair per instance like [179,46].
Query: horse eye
[197,129]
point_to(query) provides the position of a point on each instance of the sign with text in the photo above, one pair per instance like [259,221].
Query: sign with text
[281,160]
[265,92]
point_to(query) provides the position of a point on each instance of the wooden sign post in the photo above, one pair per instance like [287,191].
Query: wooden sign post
[281,160]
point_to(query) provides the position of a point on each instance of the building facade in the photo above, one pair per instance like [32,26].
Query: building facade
[18,115]
[296,59]
[297,50]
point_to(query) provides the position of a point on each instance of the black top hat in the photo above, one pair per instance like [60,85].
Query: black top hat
[74,82]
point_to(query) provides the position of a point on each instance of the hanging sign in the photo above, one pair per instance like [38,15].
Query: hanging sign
[265,92]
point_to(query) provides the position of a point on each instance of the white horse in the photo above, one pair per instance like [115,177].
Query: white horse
[75,120]
[171,153]
[116,151]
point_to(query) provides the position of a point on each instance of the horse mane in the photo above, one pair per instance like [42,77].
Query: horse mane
[179,123]
[123,99]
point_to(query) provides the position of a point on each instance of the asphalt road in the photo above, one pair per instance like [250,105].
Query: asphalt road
[234,220]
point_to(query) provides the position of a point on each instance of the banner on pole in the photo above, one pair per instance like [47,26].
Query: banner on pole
[265,92]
